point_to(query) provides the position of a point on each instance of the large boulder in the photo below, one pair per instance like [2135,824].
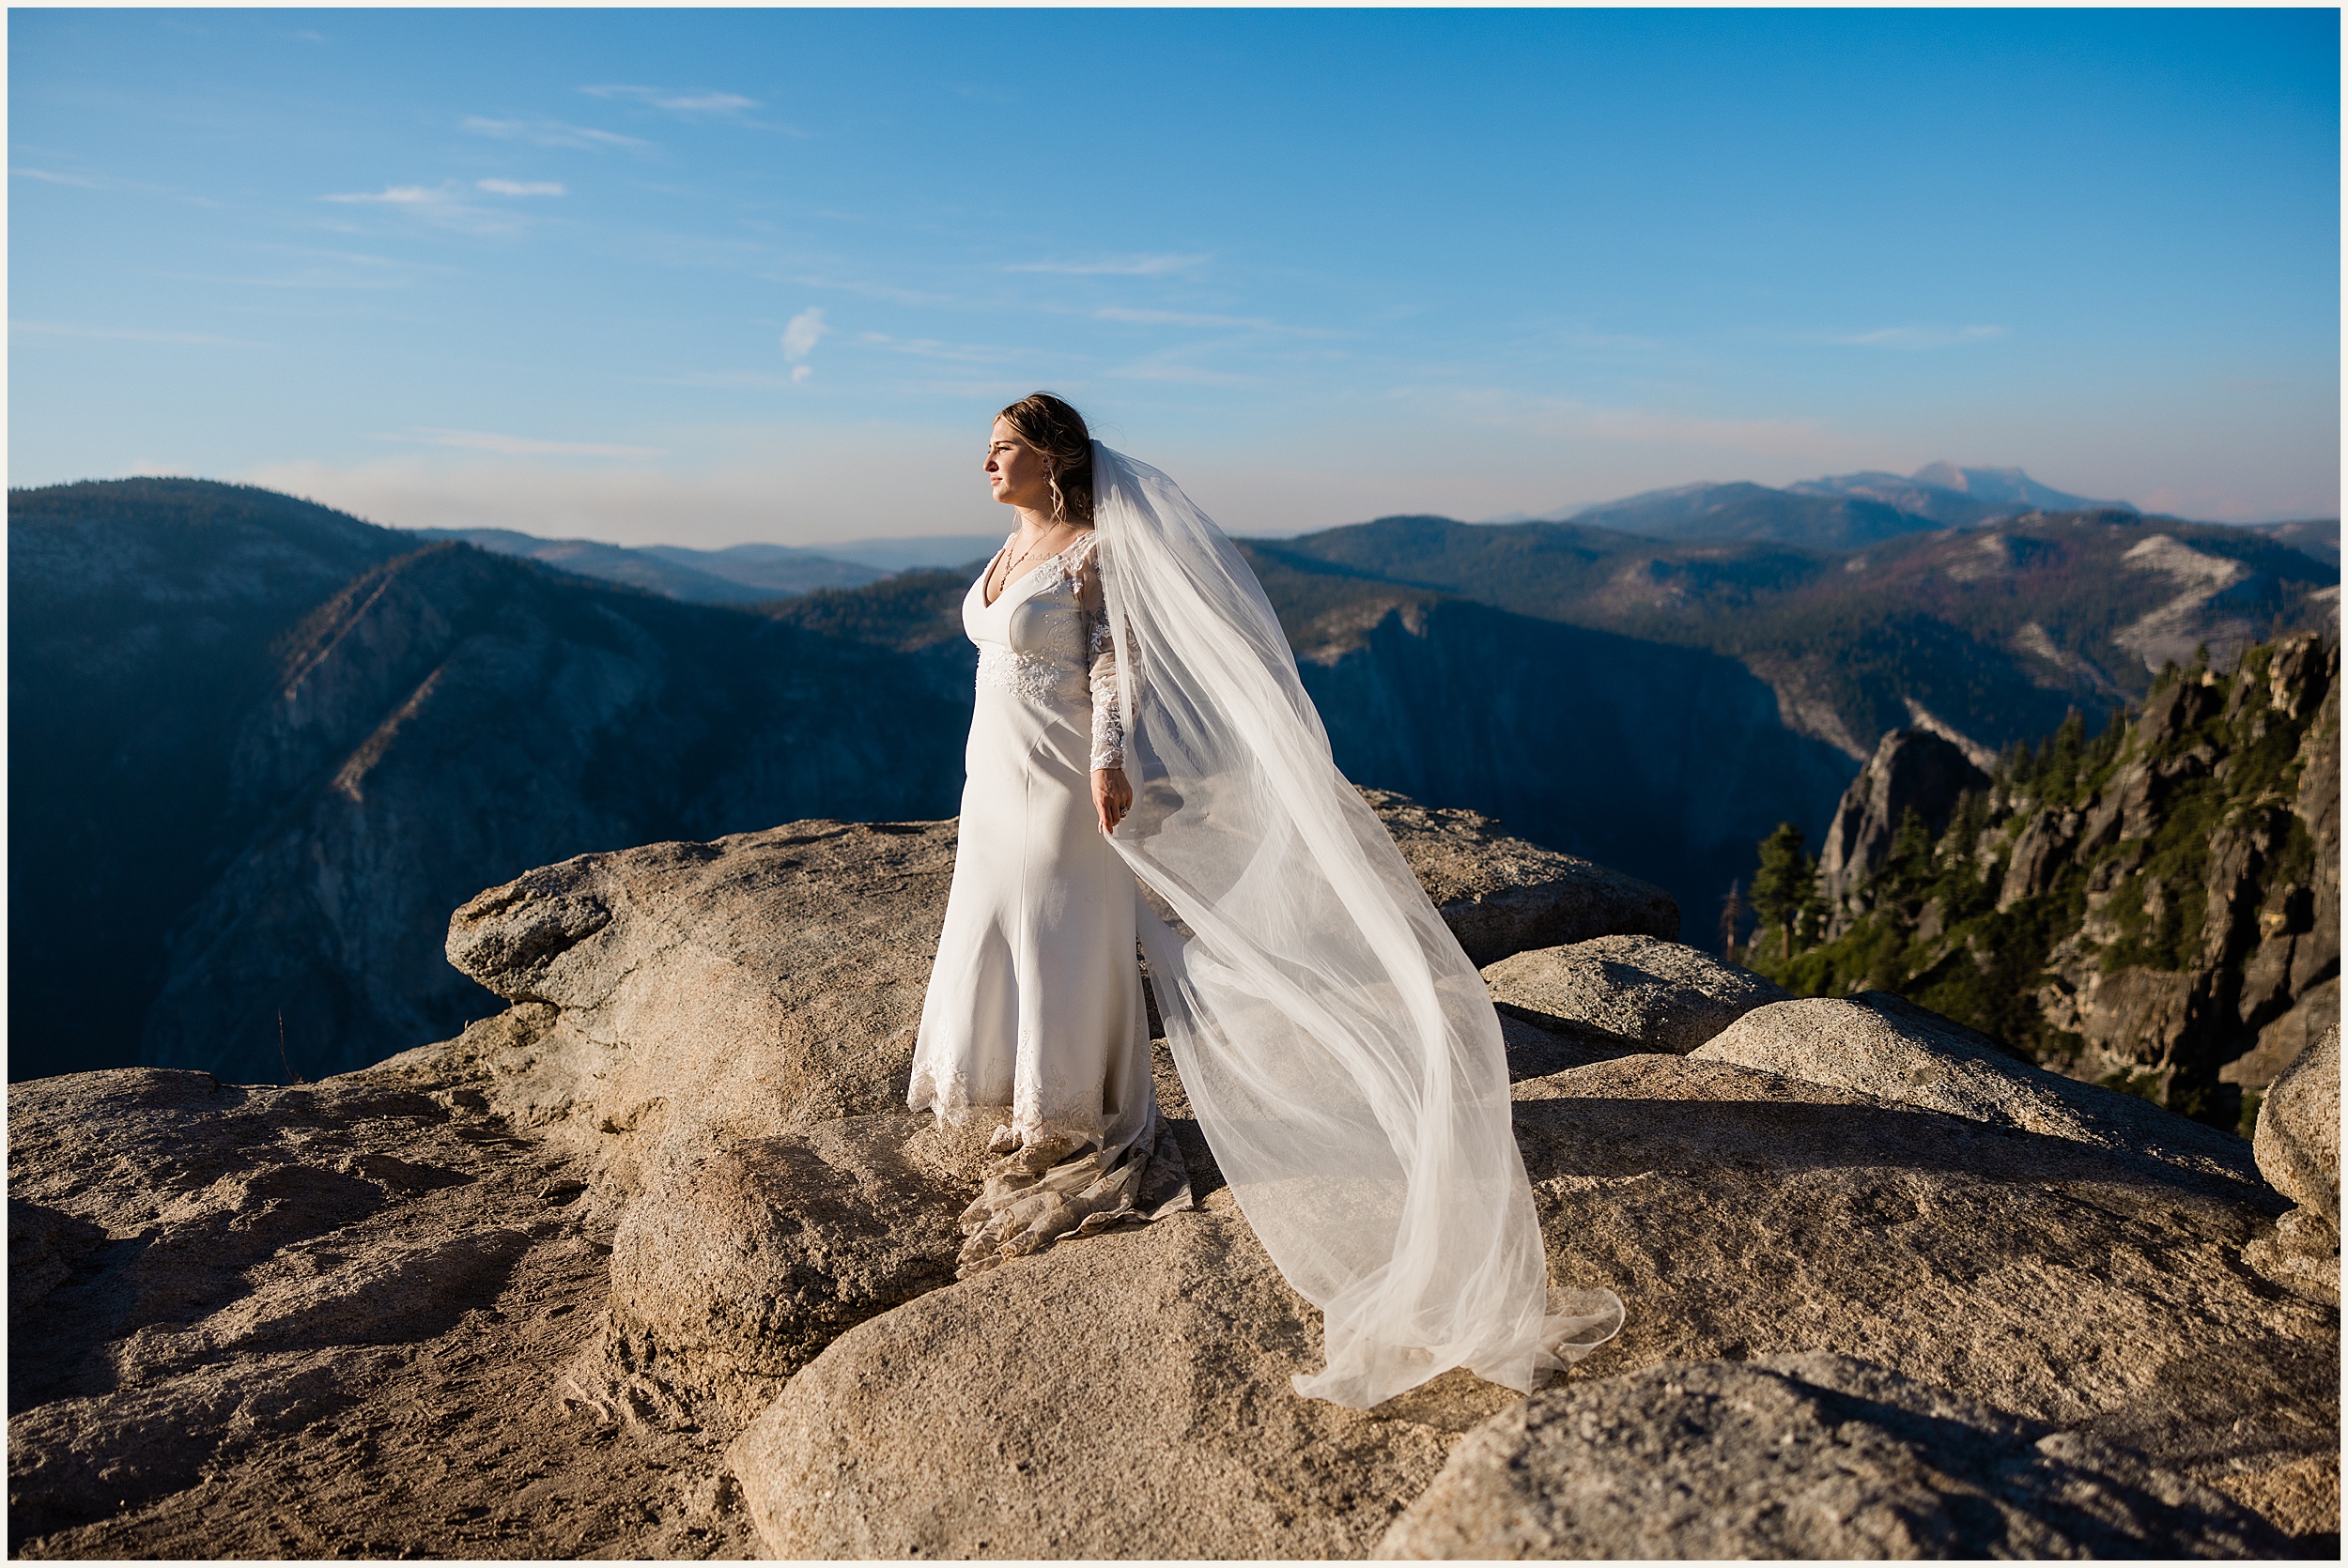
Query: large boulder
[1802,1456]
[730,1274]
[2297,1138]
[1887,1046]
[1501,895]
[2297,1145]
[1636,992]
[1126,1395]
[2079,1283]
[673,999]
[2083,1286]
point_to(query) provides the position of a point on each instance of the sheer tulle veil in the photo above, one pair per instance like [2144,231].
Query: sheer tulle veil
[1340,1051]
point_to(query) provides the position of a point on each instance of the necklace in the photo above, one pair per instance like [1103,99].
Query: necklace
[1011,571]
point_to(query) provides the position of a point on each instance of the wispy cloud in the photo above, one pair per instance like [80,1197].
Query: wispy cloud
[1113,266]
[317,268]
[799,338]
[1192,318]
[1177,371]
[395,195]
[934,348]
[107,182]
[52,176]
[521,186]
[119,334]
[540,132]
[867,290]
[445,206]
[1919,337]
[673,101]
[523,446]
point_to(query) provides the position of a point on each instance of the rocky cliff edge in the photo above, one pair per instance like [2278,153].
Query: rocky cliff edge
[654,1263]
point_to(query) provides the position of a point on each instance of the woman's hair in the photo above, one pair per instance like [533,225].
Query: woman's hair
[1048,424]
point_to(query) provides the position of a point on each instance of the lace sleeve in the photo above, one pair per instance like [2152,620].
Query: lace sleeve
[1108,724]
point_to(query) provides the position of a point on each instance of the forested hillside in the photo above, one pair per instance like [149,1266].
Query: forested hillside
[2156,907]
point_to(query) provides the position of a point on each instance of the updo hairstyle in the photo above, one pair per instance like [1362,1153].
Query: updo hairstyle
[1052,427]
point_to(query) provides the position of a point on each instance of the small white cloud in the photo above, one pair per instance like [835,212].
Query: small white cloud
[521,186]
[543,132]
[1920,337]
[523,446]
[674,101]
[801,336]
[801,372]
[1113,266]
[51,177]
[397,195]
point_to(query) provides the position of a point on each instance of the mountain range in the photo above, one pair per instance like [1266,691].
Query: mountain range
[1839,512]
[1835,513]
[260,748]
[737,574]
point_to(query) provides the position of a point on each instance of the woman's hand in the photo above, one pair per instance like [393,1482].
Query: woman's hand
[1112,797]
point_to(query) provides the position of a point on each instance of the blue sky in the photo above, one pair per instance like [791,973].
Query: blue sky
[705,277]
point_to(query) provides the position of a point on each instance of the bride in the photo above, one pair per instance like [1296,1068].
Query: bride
[1140,724]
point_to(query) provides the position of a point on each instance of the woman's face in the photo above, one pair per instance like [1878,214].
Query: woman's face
[1018,474]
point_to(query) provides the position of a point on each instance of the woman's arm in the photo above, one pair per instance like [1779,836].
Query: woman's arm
[1112,795]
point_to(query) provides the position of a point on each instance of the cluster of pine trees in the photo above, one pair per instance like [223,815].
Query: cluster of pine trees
[1929,924]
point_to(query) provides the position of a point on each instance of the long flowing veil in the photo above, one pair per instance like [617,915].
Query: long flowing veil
[1339,1049]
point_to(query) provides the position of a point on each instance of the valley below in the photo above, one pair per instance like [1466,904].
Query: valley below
[259,746]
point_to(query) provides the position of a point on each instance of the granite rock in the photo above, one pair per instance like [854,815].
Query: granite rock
[1802,1456]
[1636,992]
[1887,1046]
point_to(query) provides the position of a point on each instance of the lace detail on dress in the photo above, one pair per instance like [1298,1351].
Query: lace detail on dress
[1108,724]
[1051,1185]
[1029,677]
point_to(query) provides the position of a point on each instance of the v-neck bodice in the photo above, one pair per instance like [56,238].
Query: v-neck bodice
[1045,644]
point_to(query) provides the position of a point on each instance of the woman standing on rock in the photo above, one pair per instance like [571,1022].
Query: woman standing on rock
[1139,716]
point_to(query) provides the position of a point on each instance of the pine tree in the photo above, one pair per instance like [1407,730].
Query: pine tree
[1783,882]
[1733,913]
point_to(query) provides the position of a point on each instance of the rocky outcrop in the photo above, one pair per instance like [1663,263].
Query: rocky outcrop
[2297,1143]
[1895,1051]
[1501,895]
[1124,1396]
[2298,1130]
[1916,770]
[1802,1456]
[1634,992]
[731,1274]
[655,1263]
[673,999]
[2154,907]
[374,1265]
[1744,1214]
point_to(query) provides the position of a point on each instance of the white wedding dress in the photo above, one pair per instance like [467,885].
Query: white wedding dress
[1339,1051]
[1034,1013]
